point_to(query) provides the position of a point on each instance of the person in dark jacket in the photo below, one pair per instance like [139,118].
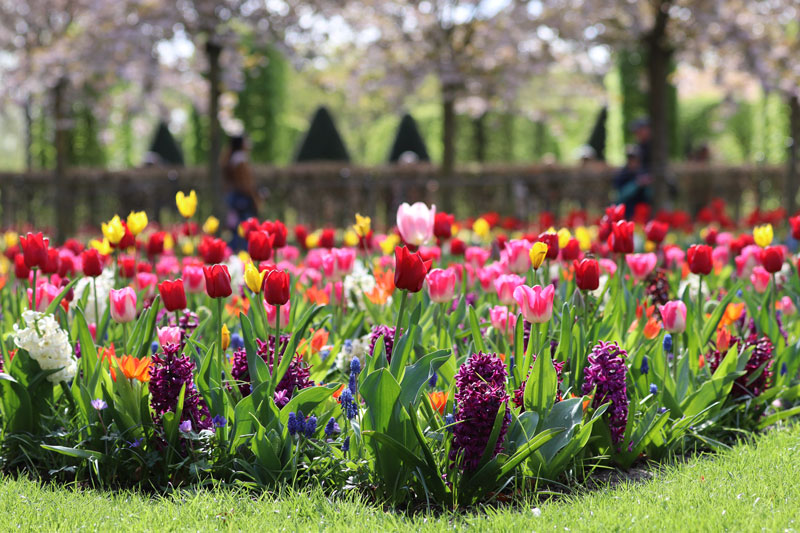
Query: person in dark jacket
[633,186]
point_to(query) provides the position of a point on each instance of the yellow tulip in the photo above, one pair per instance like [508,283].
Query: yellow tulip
[253,278]
[244,257]
[362,225]
[763,235]
[563,237]
[187,205]
[389,243]
[5,265]
[538,253]
[211,225]
[481,228]
[312,240]
[226,337]
[114,231]
[650,246]
[350,238]
[101,246]
[169,242]
[187,248]
[11,238]
[584,237]
[137,221]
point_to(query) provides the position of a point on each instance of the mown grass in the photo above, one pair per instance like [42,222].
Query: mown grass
[753,487]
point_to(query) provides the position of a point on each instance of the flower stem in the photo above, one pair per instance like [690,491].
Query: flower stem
[399,322]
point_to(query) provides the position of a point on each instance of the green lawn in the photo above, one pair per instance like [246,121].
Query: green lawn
[753,487]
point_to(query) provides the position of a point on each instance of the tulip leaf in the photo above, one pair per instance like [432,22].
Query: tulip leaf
[51,308]
[542,385]
[477,338]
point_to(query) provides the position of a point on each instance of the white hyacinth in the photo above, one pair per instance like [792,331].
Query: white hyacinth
[236,270]
[352,348]
[357,284]
[49,346]
[105,282]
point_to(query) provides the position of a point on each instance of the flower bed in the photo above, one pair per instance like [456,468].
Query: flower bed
[444,362]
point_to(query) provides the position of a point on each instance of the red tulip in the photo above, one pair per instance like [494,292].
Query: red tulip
[127,266]
[74,245]
[621,238]
[409,269]
[572,250]
[92,263]
[34,248]
[457,247]
[795,223]
[300,234]
[279,232]
[656,231]
[259,245]
[699,258]
[155,244]
[276,287]
[66,265]
[128,239]
[218,281]
[551,240]
[173,294]
[21,270]
[51,264]
[443,226]
[772,258]
[711,236]
[212,250]
[587,274]
[251,224]
[327,239]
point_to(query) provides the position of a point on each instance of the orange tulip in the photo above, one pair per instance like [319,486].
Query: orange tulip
[318,339]
[134,368]
[732,313]
[338,392]
[317,296]
[652,328]
[438,401]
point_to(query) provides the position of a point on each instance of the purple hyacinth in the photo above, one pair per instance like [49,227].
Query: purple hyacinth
[296,377]
[168,374]
[388,339]
[761,361]
[481,390]
[606,375]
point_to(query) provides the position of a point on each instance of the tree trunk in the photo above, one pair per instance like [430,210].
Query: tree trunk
[790,186]
[213,52]
[64,207]
[479,137]
[28,113]
[448,130]
[657,72]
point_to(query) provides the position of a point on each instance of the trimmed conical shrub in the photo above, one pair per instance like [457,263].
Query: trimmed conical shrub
[408,139]
[597,140]
[322,141]
[164,150]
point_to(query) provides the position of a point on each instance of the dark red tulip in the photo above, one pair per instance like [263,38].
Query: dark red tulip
[457,247]
[572,250]
[218,281]
[443,226]
[772,258]
[74,245]
[51,264]
[501,241]
[66,266]
[127,240]
[144,267]
[259,245]
[699,259]
[794,222]
[251,224]
[276,287]
[34,248]
[212,250]
[173,294]
[587,274]
[92,263]
[328,238]
[279,232]
[551,240]
[711,236]
[409,269]
[621,239]
[155,244]
[21,270]
[656,231]
[127,266]
[11,252]
[300,234]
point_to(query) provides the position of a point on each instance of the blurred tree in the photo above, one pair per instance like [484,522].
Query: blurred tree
[322,141]
[408,139]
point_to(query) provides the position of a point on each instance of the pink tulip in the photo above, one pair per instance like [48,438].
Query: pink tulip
[169,335]
[760,279]
[476,256]
[338,263]
[487,275]
[415,222]
[641,264]
[146,281]
[674,256]
[535,303]
[167,266]
[724,238]
[502,319]
[430,252]
[123,305]
[193,279]
[608,266]
[505,286]
[517,255]
[673,315]
[289,253]
[45,293]
[787,306]
[721,255]
[272,312]
[441,285]
[335,292]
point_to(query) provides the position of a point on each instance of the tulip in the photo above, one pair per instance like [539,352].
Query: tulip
[92,263]
[673,255]
[362,225]
[608,266]
[787,306]
[538,253]
[272,313]
[51,264]
[518,255]
[656,231]
[772,258]
[443,226]
[45,293]
[474,255]
[587,274]
[226,337]
[327,239]
[699,257]
[641,264]
[259,245]
[571,250]
[673,315]
[34,249]
[126,265]
[481,228]
[535,303]
[211,225]
[338,262]
[123,305]
[721,255]
[457,247]
[169,335]
[795,223]
[137,222]
[762,235]
[760,279]
[21,270]
[415,222]
[113,231]
[218,281]
[502,319]
[173,294]
[549,238]
[621,239]
[441,285]
[276,287]
[410,270]
[155,244]
[505,286]
[194,279]
[187,205]
[213,250]
[253,278]
[146,280]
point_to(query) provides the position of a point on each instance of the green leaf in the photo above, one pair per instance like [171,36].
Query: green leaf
[477,338]
[418,374]
[51,308]
[542,385]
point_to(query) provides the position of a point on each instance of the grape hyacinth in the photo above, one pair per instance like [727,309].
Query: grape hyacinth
[331,427]
[605,374]
[388,339]
[480,391]
[168,374]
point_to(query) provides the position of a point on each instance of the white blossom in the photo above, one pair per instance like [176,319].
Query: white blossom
[49,346]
